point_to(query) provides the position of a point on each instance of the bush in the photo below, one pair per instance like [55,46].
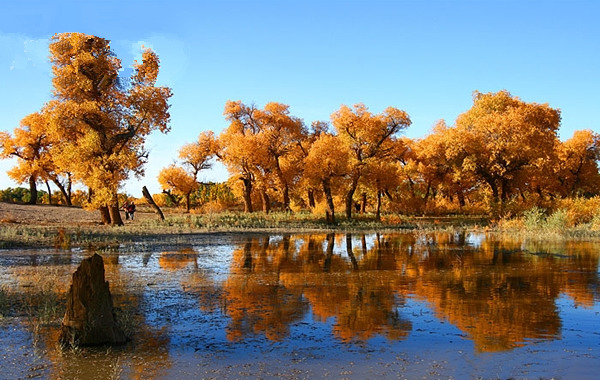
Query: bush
[581,210]
[558,221]
[16,195]
[534,218]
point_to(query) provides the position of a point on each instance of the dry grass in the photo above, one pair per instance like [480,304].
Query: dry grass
[69,227]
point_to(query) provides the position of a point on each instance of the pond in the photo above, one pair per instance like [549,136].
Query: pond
[404,305]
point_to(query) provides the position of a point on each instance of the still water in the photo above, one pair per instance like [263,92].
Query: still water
[413,305]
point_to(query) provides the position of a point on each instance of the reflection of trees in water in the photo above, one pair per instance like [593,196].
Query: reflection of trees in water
[498,293]
[178,260]
[268,296]
[254,299]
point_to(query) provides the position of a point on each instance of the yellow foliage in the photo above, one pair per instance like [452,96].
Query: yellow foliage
[177,180]
[580,210]
[100,126]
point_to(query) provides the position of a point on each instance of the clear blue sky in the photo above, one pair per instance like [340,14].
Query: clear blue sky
[425,57]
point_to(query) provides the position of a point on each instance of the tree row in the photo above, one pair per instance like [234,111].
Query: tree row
[501,150]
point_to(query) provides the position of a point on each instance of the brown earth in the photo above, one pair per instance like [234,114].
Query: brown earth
[54,215]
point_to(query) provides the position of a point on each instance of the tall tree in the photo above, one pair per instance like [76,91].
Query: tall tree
[239,149]
[368,137]
[100,119]
[259,148]
[281,135]
[503,137]
[440,164]
[308,188]
[327,162]
[196,156]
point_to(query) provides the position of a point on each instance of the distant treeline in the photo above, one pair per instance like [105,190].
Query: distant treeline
[208,194]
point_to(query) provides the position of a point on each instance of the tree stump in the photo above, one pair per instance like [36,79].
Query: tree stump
[89,319]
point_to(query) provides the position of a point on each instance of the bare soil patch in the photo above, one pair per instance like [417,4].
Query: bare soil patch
[53,215]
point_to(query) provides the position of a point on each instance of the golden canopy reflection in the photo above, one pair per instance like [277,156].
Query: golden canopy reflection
[500,293]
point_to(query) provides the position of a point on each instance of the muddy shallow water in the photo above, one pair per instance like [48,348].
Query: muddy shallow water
[431,305]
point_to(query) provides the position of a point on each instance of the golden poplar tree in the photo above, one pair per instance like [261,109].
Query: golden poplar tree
[259,148]
[175,180]
[577,167]
[102,120]
[33,146]
[503,138]
[368,137]
[195,157]
[325,166]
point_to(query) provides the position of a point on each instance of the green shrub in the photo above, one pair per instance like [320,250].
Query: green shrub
[534,218]
[558,221]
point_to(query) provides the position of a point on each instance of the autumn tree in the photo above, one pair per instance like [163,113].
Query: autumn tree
[502,137]
[32,145]
[367,136]
[102,120]
[258,148]
[577,166]
[327,162]
[380,177]
[239,147]
[317,128]
[440,164]
[280,134]
[195,157]
[176,180]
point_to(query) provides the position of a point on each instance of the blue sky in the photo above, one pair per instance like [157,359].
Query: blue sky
[425,57]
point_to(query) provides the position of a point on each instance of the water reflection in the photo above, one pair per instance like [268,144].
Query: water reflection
[351,288]
[502,294]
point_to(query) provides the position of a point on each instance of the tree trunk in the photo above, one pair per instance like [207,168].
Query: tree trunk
[285,189]
[266,201]
[363,203]
[311,198]
[89,319]
[115,214]
[461,198]
[247,194]
[104,215]
[427,193]
[286,198]
[32,190]
[494,187]
[350,198]
[66,195]
[151,202]
[69,194]
[49,193]
[378,211]
[505,190]
[187,202]
[329,211]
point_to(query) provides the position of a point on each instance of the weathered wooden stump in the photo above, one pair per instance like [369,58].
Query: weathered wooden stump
[89,319]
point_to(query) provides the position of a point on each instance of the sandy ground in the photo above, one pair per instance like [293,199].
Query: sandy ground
[55,215]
